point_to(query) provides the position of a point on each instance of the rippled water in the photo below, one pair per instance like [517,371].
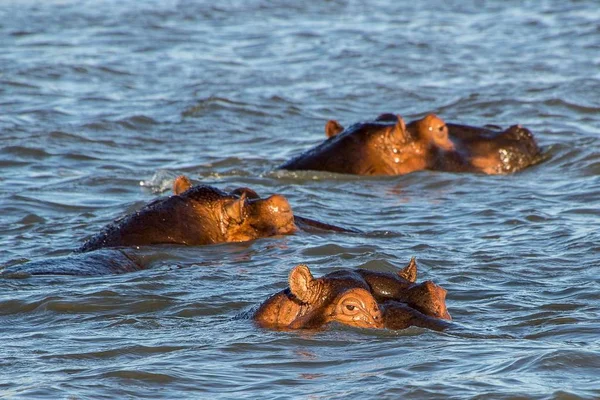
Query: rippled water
[96,97]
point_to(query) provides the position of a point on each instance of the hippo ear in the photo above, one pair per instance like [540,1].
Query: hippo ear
[401,125]
[332,128]
[410,271]
[235,209]
[181,184]
[300,283]
[400,130]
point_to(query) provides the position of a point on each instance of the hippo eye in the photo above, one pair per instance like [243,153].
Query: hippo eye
[350,307]
[442,128]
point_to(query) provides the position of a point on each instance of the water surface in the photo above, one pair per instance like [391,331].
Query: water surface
[98,97]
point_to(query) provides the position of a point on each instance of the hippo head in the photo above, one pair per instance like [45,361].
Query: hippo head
[311,303]
[379,147]
[242,218]
[384,146]
[430,130]
[254,218]
[198,215]
[242,214]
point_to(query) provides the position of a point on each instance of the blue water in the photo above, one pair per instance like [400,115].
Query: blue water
[103,103]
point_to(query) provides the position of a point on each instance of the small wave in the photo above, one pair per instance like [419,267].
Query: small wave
[212,104]
[130,351]
[31,219]
[61,135]
[572,106]
[114,71]
[19,84]
[140,376]
[88,304]
[26,152]
[160,182]
[51,202]
[137,122]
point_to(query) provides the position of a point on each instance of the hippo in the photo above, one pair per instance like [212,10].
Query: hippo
[358,298]
[182,183]
[388,146]
[194,215]
[200,215]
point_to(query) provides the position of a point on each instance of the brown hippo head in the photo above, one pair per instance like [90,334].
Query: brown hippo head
[384,146]
[356,298]
[183,183]
[196,216]
[311,303]
[375,147]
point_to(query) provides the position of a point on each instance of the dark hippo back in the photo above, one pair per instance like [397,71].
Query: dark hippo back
[353,151]
[180,219]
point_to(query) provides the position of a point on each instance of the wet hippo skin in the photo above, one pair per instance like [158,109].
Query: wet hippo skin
[197,216]
[387,146]
[358,298]
[380,147]
[182,183]
[492,152]
[426,297]
[310,303]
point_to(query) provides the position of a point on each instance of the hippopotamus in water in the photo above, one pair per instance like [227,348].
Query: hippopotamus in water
[200,215]
[194,215]
[358,298]
[182,183]
[387,146]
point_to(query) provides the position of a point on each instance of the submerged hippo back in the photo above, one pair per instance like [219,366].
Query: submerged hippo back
[182,219]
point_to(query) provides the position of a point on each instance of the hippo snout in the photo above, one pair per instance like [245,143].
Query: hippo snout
[278,211]
[278,204]
[436,296]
